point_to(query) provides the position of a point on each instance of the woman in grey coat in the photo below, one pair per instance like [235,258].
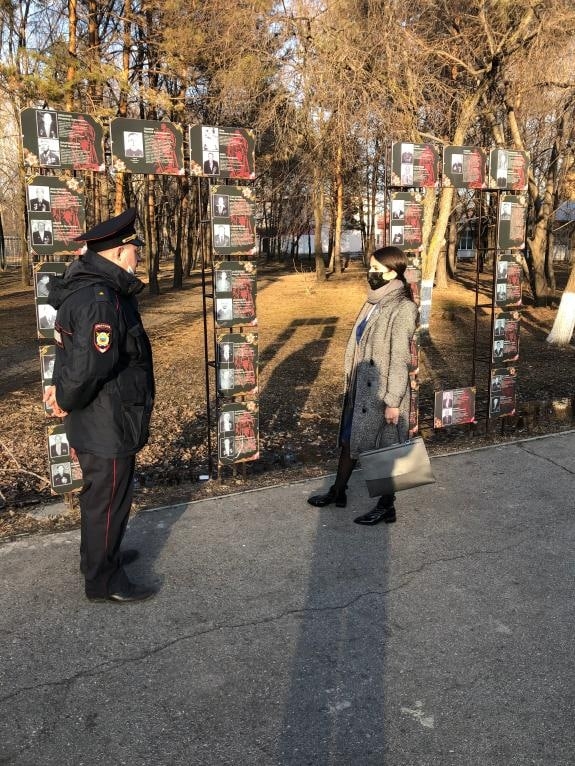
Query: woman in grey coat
[377,392]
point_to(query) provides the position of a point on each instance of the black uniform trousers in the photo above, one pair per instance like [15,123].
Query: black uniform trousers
[105,503]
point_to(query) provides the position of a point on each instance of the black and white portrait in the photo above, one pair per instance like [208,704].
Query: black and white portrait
[226,353]
[227,446]
[48,361]
[221,206]
[41,232]
[222,235]
[46,316]
[59,446]
[61,474]
[43,283]
[133,144]
[226,422]
[226,379]
[48,152]
[39,199]
[457,164]
[501,292]
[223,282]
[47,124]
[211,164]
[224,309]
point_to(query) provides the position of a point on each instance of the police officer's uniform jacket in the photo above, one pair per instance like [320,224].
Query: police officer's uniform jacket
[103,371]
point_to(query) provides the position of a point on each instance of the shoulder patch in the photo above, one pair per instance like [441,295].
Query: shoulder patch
[102,337]
[102,293]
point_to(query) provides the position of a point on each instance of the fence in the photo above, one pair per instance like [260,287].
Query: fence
[12,253]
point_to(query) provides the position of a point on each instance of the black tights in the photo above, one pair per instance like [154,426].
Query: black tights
[344,469]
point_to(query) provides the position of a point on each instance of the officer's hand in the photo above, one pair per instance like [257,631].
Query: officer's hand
[51,403]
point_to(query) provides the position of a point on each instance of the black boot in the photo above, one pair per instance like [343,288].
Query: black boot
[383,511]
[332,497]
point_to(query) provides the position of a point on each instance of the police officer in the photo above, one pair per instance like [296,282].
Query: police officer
[103,384]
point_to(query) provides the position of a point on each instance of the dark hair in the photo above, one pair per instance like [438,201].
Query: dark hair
[395,259]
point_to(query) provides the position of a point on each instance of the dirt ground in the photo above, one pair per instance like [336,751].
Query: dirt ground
[302,328]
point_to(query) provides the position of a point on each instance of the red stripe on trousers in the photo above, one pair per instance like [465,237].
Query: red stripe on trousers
[110,505]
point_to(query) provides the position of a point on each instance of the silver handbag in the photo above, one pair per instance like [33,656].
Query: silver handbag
[392,469]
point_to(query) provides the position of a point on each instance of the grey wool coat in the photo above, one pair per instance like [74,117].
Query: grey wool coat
[382,372]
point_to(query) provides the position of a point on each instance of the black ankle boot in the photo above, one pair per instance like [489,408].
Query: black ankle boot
[382,512]
[331,497]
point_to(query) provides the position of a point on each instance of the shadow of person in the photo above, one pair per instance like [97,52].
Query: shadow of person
[149,532]
[294,378]
[334,709]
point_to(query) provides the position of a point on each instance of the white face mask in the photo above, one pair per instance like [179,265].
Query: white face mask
[130,270]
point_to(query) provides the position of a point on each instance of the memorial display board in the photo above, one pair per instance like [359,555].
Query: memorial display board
[508,281]
[237,364]
[414,165]
[464,167]
[65,471]
[502,391]
[454,407]
[405,229]
[233,221]
[220,152]
[508,169]
[47,360]
[45,312]
[505,344]
[154,147]
[235,287]
[512,222]
[62,140]
[238,432]
[56,215]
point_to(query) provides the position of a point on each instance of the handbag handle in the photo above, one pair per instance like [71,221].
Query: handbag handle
[379,437]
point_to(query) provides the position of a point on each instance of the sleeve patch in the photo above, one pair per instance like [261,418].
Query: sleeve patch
[102,335]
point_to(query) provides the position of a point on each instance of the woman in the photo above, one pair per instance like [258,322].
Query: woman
[377,393]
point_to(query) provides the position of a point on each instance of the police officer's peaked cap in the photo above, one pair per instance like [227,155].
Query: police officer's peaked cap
[116,232]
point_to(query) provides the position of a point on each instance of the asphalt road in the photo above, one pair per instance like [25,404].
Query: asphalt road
[284,635]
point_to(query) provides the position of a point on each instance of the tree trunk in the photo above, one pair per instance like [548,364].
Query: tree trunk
[21,223]
[153,252]
[538,243]
[318,223]
[432,248]
[452,245]
[549,267]
[431,252]
[180,234]
[2,246]
[25,259]
[427,277]
[362,226]
[564,324]
[71,72]
[338,211]
[441,272]
[95,85]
